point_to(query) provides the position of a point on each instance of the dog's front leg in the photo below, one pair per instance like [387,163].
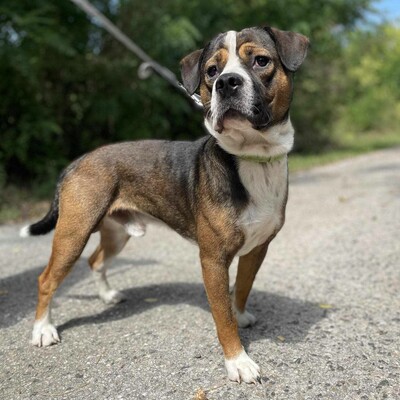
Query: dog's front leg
[248,267]
[239,365]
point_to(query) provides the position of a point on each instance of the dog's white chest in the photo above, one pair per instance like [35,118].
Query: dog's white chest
[266,184]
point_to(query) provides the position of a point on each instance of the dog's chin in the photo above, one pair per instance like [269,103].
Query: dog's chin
[229,120]
[239,121]
[257,118]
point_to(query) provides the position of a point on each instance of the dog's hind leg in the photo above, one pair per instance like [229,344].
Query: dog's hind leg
[113,238]
[81,209]
[67,247]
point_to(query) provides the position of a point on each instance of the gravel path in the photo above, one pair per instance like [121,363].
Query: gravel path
[327,299]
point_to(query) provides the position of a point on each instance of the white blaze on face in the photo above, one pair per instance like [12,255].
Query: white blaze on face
[233,65]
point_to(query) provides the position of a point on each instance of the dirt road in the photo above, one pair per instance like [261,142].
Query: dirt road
[327,301]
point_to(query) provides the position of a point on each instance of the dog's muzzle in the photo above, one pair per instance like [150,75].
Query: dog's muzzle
[237,99]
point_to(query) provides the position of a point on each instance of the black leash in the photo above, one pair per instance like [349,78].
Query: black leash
[148,64]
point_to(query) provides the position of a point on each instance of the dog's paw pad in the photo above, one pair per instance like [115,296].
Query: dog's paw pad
[45,335]
[242,368]
[245,319]
[112,297]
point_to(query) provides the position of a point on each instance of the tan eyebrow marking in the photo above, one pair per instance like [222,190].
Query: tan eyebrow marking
[247,49]
[220,58]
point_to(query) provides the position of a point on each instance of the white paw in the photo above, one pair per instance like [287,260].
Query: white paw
[112,296]
[44,334]
[244,319]
[243,368]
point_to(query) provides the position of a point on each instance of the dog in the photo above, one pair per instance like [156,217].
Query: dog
[226,191]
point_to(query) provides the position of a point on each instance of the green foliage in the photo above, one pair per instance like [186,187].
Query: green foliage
[371,97]
[67,86]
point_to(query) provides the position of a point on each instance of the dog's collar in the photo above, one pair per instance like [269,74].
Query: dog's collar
[261,159]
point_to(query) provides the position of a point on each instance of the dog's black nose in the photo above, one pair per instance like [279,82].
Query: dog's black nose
[228,84]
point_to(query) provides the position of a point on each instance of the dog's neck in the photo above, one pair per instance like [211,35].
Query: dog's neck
[240,139]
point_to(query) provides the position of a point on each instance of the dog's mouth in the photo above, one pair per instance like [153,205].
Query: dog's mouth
[258,118]
[226,118]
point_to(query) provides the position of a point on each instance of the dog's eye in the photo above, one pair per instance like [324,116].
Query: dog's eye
[262,61]
[212,71]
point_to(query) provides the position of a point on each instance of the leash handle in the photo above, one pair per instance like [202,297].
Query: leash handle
[148,63]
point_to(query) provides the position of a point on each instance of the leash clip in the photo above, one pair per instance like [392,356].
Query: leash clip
[197,100]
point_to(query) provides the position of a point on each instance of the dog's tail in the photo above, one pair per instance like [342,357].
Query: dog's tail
[49,221]
[46,224]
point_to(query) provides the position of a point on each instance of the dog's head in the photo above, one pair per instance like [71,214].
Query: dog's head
[245,78]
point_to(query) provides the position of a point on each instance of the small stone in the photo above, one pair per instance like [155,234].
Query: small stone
[151,300]
[382,384]
[200,395]
[325,306]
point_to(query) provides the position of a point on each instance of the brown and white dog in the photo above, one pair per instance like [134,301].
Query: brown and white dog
[226,191]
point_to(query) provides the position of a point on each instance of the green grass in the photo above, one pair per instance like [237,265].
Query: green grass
[18,204]
[347,146]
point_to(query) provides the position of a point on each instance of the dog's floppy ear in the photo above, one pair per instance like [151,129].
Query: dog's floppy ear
[190,71]
[292,47]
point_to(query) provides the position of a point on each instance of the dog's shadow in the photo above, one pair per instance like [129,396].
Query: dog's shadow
[18,293]
[277,315]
